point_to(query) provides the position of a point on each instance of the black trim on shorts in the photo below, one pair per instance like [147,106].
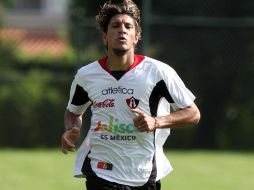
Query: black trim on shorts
[97,183]
[93,182]
[153,175]
[86,168]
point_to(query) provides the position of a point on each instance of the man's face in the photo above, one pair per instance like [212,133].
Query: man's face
[121,35]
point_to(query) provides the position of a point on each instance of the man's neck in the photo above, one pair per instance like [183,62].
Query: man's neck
[120,63]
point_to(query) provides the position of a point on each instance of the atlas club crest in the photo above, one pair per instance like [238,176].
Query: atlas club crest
[132,102]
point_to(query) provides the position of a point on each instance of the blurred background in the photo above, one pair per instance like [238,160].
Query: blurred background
[210,44]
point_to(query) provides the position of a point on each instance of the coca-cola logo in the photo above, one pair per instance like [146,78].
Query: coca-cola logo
[105,104]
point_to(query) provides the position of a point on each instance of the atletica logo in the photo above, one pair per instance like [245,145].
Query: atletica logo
[115,126]
[117,90]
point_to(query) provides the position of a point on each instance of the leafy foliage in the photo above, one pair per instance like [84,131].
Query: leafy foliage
[215,62]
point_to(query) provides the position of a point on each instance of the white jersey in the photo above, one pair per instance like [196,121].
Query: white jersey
[115,149]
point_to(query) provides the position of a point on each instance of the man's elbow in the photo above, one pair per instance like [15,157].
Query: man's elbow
[196,117]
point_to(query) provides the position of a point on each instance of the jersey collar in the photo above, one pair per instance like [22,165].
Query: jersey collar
[137,60]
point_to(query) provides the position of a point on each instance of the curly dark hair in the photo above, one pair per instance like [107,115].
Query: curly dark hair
[112,8]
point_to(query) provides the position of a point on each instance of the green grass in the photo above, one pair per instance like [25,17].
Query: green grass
[193,170]
[37,170]
[202,170]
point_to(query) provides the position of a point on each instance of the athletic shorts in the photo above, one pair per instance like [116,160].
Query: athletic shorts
[96,183]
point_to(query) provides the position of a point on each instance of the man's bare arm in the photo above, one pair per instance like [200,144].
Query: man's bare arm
[71,120]
[180,118]
[187,116]
[72,125]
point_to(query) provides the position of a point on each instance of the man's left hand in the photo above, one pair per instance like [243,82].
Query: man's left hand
[144,122]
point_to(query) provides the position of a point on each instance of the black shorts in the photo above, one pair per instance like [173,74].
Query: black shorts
[96,183]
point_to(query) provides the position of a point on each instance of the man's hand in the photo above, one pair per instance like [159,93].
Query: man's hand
[69,139]
[143,121]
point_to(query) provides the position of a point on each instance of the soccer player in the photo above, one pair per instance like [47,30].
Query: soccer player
[129,96]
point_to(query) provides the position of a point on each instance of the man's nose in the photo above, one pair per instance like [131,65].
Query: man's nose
[122,28]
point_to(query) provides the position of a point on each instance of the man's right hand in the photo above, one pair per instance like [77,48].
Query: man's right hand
[69,138]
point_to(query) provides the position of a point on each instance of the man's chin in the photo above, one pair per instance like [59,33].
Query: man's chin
[120,52]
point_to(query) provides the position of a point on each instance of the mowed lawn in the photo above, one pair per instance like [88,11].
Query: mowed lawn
[193,170]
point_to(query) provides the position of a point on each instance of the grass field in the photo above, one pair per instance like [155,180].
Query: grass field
[193,170]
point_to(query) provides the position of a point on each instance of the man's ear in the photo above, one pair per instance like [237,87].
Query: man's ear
[137,37]
[104,38]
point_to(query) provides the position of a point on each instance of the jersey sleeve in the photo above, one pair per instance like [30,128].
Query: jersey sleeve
[182,97]
[79,100]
